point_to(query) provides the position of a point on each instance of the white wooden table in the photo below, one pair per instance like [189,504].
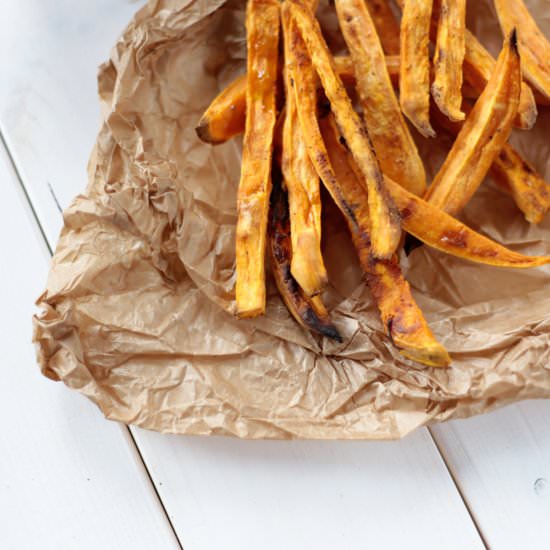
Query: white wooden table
[70,479]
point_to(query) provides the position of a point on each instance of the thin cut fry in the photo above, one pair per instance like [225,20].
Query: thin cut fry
[479,65]
[512,173]
[400,315]
[516,176]
[384,218]
[441,231]
[304,197]
[262,24]
[388,131]
[310,313]
[386,25]
[448,59]
[414,75]
[482,136]
[534,48]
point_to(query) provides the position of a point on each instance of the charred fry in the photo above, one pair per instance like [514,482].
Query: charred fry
[400,315]
[448,59]
[386,25]
[302,183]
[393,144]
[481,137]
[262,24]
[414,74]
[309,313]
[534,48]
[384,218]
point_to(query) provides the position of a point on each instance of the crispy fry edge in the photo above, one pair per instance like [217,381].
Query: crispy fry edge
[262,23]
[449,57]
[482,135]
[414,71]
[302,183]
[393,144]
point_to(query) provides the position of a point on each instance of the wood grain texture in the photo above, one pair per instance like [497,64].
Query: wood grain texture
[68,478]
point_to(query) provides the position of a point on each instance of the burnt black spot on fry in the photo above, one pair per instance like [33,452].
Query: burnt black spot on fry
[203,132]
[514,41]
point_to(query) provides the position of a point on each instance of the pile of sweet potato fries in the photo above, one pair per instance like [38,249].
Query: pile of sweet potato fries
[367,158]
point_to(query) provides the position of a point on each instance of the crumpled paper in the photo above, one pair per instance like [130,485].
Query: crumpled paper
[137,309]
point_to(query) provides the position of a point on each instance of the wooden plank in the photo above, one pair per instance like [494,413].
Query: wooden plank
[48,100]
[502,464]
[232,494]
[68,478]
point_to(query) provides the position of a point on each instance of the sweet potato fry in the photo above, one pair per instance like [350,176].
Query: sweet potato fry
[533,46]
[414,74]
[386,25]
[402,318]
[393,144]
[481,137]
[448,59]
[262,25]
[516,176]
[479,65]
[225,116]
[511,173]
[441,231]
[310,313]
[384,218]
[302,183]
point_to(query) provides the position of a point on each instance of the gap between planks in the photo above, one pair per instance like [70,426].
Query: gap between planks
[129,436]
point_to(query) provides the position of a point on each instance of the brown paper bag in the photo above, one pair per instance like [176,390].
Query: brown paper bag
[137,309]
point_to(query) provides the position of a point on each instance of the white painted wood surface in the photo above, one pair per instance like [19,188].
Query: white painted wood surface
[68,478]
[245,495]
[502,464]
[234,494]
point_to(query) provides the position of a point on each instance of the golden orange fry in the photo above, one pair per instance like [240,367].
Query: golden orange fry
[512,173]
[414,75]
[479,65]
[448,59]
[441,231]
[384,218]
[534,47]
[481,137]
[392,141]
[386,25]
[262,25]
[402,318]
[225,116]
[310,313]
[302,183]
[516,176]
